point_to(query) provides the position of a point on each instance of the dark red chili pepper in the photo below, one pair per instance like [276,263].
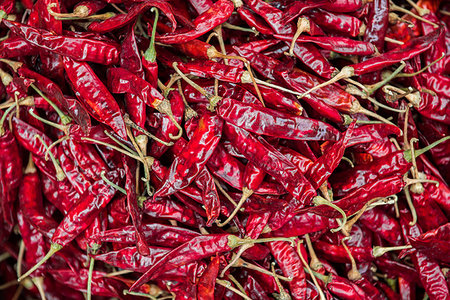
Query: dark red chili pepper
[435,107]
[265,121]
[338,254]
[207,282]
[16,46]
[217,14]
[378,221]
[272,15]
[336,44]
[345,5]
[434,243]
[170,209]
[429,271]
[201,6]
[130,60]
[298,8]
[154,234]
[405,52]
[211,69]
[6,7]
[377,24]
[133,206]
[395,268]
[46,20]
[344,24]
[291,265]
[34,243]
[429,215]
[81,49]
[93,93]
[87,159]
[121,20]
[194,156]
[345,289]
[196,249]
[253,21]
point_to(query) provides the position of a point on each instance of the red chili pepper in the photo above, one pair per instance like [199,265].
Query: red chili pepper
[92,92]
[194,156]
[133,206]
[378,221]
[336,44]
[344,24]
[291,265]
[253,21]
[434,107]
[265,121]
[377,24]
[271,15]
[345,289]
[82,49]
[16,46]
[207,282]
[217,14]
[434,243]
[170,209]
[296,9]
[121,20]
[429,271]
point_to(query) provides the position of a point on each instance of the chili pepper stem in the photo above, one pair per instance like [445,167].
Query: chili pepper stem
[353,90]
[259,81]
[346,72]
[109,182]
[303,25]
[423,69]
[89,283]
[39,283]
[325,279]
[246,193]
[371,114]
[63,128]
[372,89]
[315,262]
[378,251]
[283,295]
[20,258]
[236,283]
[53,249]
[150,53]
[408,154]
[227,285]
[79,12]
[126,292]
[60,176]
[2,120]
[236,257]
[241,263]
[64,138]
[321,201]
[353,274]
[234,241]
[314,279]
[65,119]
[133,125]
[164,107]
[189,112]
[243,29]
[112,147]
[405,11]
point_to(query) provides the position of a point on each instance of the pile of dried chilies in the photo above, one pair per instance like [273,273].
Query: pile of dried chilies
[227,149]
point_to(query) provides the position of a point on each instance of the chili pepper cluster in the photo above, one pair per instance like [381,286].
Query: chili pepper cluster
[224,149]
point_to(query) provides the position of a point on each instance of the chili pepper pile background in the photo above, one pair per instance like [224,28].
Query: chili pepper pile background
[224,149]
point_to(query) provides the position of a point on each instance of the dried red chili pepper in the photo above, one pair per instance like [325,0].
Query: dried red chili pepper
[206,283]
[217,14]
[434,243]
[92,92]
[344,24]
[194,156]
[16,46]
[81,49]
[121,20]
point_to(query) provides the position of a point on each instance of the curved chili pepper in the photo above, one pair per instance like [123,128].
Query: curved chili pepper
[297,8]
[81,49]
[132,204]
[170,209]
[377,24]
[253,21]
[154,234]
[336,44]
[429,272]
[194,156]
[396,268]
[87,159]
[344,24]
[405,52]
[435,107]
[211,69]
[272,15]
[292,267]
[207,282]
[93,93]
[121,20]
[16,46]
[434,243]
[265,121]
[217,14]
[378,221]
[429,215]
[345,5]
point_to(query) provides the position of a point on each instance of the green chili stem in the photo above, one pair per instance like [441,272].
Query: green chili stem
[65,119]
[150,53]
[60,175]
[2,120]
[109,182]
[112,147]
[53,249]
[375,87]
[89,283]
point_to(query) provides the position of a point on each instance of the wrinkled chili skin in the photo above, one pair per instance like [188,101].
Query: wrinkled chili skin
[155,234]
[434,243]
[206,284]
[94,94]
[86,209]
[16,46]
[405,52]
[377,24]
[81,49]
[217,14]
[194,156]
[429,271]
[291,265]
[196,249]
[377,220]
[345,24]
[120,20]
[265,121]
